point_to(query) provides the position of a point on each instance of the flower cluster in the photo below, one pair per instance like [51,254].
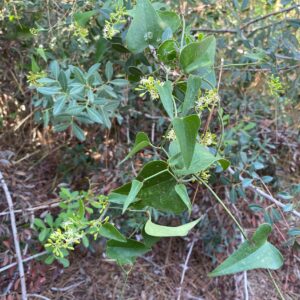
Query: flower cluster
[208,139]
[275,86]
[171,136]
[80,32]
[32,77]
[210,98]
[116,18]
[148,85]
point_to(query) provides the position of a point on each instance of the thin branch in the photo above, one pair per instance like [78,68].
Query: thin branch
[185,267]
[32,209]
[269,15]
[247,24]
[264,194]
[24,260]
[15,237]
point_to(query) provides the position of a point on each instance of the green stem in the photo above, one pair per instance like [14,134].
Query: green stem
[183,33]
[222,132]
[276,285]
[224,206]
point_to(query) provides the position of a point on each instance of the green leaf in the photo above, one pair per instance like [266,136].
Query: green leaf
[64,261]
[109,231]
[198,54]
[166,97]
[43,234]
[49,219]
[157,192]
[94,115]
[82,18]
[48,91]
[62,79]
[192,90]
[202,160]
[39,223]
[59,105]
[166,231]
[78,132]
[134,190]
[141,141]
[54,69]
[145,28]
[105,117]
[167,51]
[255,254]
[119,82]
[186,130]
[109,71]
[85,241]
[183,194]
[34,66]
[169,19]
[125,253]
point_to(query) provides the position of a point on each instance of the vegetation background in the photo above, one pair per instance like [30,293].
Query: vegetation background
[257,62]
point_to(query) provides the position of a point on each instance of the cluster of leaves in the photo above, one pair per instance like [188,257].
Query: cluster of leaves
[181,67]
[73,97]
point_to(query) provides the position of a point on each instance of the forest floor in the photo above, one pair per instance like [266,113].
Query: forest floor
[31,174]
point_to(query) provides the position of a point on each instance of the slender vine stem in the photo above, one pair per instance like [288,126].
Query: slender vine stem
[224,206]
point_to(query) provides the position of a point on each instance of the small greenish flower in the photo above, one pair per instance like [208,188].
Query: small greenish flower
[34,31]
[32,77]
[148,85]
[208,139]
[80,32]
[275,86]
[210,98]
[171,136]
[116,18]
[204,175]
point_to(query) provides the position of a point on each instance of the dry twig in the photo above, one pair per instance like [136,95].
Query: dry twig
[15,237]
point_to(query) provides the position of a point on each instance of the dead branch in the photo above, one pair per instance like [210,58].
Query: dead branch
[15,237]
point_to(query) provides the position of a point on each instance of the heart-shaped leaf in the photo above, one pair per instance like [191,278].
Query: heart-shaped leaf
[183,194]
[255,254]
[145,28]
[186,130]
[111,232]
[193,86]
[134,190]
[158,192]
[202,160]
[198,54]
[125,253]
[141,141]
[166,231]
[166,97]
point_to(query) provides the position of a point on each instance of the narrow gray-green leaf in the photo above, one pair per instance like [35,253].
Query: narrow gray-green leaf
[94,115]
[166,231]
[62,79]
[78,132]
[135,188]
[59,105]
[186,130]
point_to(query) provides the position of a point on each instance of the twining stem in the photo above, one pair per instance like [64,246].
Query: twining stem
[224,206]
[276,285]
